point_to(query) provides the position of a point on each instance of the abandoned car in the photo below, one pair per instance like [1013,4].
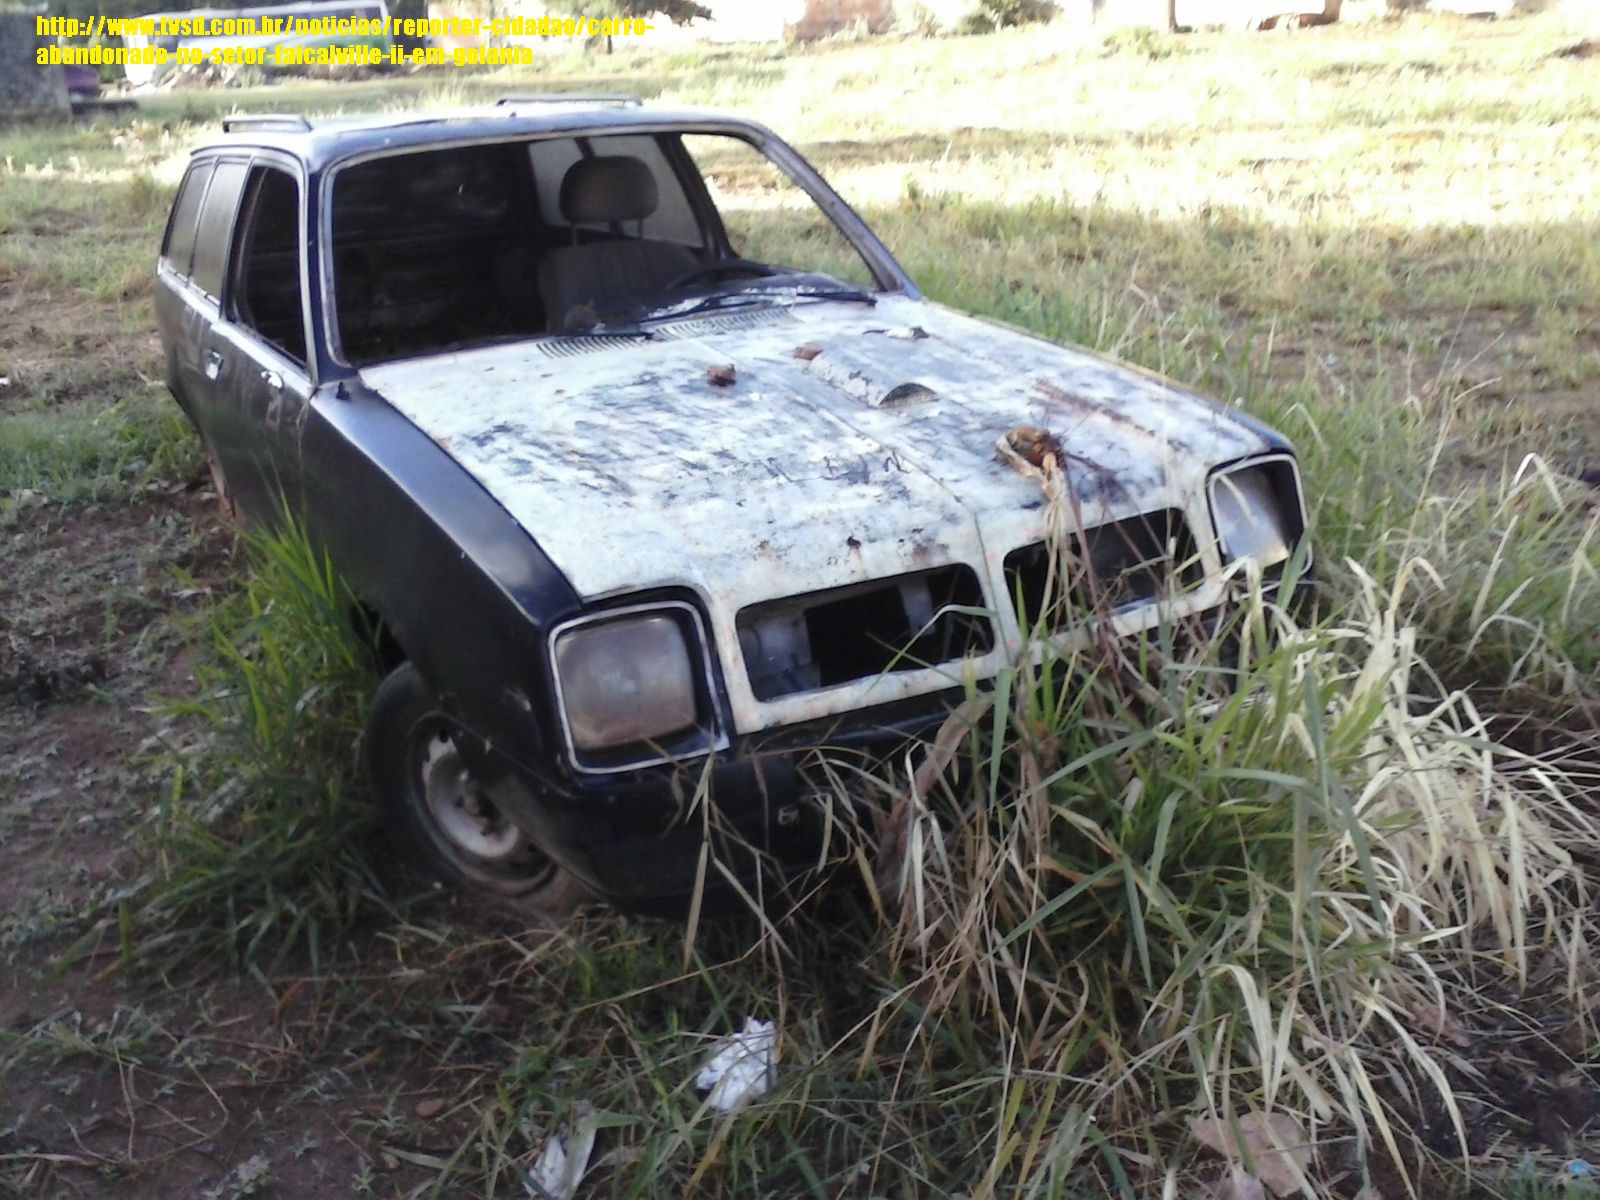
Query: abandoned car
[670,490]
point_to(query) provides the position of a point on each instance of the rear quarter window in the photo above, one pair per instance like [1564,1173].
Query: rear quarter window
[177,249]
[216,222]
[265,292]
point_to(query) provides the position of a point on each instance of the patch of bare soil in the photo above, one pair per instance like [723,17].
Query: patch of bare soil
[86,630]
[1522,1089]
[1586,48]
[115,1084]
[1488,367]
[62,347]
[211,1094]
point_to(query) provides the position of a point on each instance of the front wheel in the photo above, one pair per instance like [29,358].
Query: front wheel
[436,816]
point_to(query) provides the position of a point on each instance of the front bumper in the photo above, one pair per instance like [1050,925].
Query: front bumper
[773,810]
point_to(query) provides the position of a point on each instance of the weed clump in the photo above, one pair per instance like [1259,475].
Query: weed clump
[114,454]
[1254,886]
[256,848]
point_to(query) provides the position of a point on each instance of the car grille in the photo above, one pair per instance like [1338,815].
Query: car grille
[1116,565]
[904,623]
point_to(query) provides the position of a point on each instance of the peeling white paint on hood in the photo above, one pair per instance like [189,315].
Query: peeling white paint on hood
[875,456]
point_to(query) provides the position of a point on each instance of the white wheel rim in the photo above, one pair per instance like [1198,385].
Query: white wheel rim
[468,821]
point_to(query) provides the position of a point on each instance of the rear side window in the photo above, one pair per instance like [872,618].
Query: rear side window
[265,295]
[216,220]
[178,248]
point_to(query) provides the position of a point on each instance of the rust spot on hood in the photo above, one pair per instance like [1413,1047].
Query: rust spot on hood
[807,352]
[1060,398]
[1038,454]
[1034,446]
[721,376]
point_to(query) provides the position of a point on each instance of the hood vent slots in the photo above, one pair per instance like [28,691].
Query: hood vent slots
[754,318]
[571,347]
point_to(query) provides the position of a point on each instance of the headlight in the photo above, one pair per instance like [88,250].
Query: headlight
[634,687]
[626,681]
[1258,512]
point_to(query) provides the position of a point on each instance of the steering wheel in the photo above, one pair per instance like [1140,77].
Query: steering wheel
[726,266]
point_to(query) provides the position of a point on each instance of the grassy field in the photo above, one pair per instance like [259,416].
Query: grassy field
[1350,898]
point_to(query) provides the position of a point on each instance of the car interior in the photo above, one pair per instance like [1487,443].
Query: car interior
[470,244]
[602,275]
[266,291]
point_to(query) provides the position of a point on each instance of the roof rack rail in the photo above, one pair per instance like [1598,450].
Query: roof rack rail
[616,100]
[266,123]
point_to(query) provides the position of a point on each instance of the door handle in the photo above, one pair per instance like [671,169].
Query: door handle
[273,380]
[213,364]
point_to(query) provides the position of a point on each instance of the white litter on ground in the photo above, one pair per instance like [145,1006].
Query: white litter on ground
[741,1067]
[564,1159]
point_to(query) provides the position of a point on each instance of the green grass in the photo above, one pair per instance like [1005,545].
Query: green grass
[1505,558]
[257,848]
[1235,892]
[1529,1186]
[118,449]
[92,231]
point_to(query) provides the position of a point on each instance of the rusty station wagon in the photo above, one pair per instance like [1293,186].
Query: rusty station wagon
[664,480]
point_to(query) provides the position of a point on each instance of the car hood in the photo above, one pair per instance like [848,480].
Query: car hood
[760,453]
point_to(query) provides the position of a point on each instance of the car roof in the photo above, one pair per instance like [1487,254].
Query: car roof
[325,141]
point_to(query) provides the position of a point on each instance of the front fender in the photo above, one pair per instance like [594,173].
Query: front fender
[465,591]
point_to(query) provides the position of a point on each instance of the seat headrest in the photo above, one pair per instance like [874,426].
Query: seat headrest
[614,188]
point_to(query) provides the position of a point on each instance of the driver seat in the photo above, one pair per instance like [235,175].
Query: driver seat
[579,283]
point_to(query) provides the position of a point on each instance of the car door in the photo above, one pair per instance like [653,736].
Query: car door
[257,348]
[182,311]
[206,368]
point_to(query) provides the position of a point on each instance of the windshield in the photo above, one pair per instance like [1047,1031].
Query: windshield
[461,246]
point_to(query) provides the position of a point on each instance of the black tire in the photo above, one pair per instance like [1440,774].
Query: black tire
[433,816]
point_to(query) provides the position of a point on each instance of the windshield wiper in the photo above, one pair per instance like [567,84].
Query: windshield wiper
[849,294]
[706,304]
[766,294]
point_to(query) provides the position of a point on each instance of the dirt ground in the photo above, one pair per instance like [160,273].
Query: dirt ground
[182,1087]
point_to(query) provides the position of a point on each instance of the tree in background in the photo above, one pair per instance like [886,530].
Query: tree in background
[1002,14]
[679,12]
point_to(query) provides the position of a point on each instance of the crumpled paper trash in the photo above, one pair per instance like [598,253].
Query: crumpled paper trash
[741,1067]
[564,1159]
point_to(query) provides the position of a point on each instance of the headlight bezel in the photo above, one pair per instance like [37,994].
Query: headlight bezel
[705,736]
[1281,470]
